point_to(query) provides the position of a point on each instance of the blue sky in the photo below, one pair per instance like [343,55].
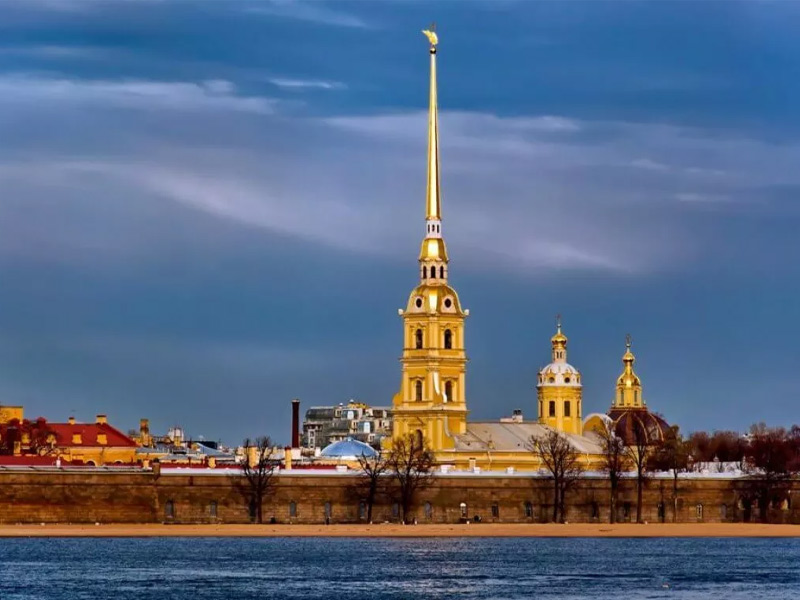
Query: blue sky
[208,208]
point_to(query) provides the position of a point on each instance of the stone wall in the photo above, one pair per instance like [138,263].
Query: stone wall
[137,497]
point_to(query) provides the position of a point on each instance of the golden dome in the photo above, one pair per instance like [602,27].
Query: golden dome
[559,338]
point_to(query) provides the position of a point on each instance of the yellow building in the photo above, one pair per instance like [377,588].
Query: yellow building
[432,401]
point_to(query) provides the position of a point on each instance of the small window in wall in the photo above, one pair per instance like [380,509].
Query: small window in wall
[495,511]
[328,511]
[566,408]
[418,339]
[169,509]
[395,510]
[567,380]
[723,511]
[212,509]
[362,510]
[448,390]
[441,272]
[551,380]
[626,510]
[448,339]
[699,512]
[635,396]
[595,510]
[419,437]
[552,408]
[292,509]
[529,510]
[661,512]
[428,511]
[424,272]
[418,390]
[463,507]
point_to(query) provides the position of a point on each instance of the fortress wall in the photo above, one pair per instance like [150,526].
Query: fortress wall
[143,497]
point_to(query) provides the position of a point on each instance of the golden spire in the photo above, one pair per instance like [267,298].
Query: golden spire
[629,386]
[433,196]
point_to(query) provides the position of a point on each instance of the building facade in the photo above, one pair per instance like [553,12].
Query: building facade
[324,425]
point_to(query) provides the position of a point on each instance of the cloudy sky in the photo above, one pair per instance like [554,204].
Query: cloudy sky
[208,208]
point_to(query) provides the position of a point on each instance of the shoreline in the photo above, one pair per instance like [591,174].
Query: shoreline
[393,530]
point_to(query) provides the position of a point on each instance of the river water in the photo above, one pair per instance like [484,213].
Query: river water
[375,568]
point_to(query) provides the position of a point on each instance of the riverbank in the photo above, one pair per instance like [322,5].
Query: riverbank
[394,530]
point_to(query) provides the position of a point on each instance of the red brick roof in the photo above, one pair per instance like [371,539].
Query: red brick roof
[89,433]
[27,460]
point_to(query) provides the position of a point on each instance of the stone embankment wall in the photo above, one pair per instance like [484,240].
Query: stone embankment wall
[28,496]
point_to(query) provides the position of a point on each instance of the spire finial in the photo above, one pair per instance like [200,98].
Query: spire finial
[628,341]
[558,322]
[433,197]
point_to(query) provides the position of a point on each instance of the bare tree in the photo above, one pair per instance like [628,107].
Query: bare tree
[258,468]
[672,455]
[563,463]
[410,463]
[771,464]
[615,462]
[372,478]
[640,452]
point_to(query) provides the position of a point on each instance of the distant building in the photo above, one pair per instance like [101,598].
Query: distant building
[324,425]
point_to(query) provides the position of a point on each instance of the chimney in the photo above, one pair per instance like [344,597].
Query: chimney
[72,420]
[101,419]
[295,423]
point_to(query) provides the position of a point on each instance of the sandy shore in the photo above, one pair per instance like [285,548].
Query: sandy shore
[392,530]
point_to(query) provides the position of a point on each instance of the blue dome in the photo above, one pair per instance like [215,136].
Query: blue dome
[348,448]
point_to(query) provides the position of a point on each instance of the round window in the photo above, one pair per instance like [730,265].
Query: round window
[418,303]
[566,379]
[448,303]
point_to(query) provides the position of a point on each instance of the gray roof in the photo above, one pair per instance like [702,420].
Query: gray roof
[513,437]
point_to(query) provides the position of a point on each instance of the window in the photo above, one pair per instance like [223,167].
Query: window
[448,303]
[328,511]
[566,380]
[635,396]
[551,380]
[626,510]
[419,438]
[441,272]
[418,390]
[699,512]
[424,272]
[418,302]
[495,511]
[661,512]
[552,408]
[362,510]
[395,510]
[595,510]
[169,509]
[418,339]
[448,391]
[463,507]
[428,510]
[566,408]
[292,509]
[723,511]
[448,339]
[529,510]
[212,509]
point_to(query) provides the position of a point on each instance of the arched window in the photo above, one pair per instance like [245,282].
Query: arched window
[418,390]
[292,509]
[448,339]
[441,272]
[567,412]
[328,511]
[636,396]
[463,507]
[448,391]
[529,510]
[418,339]
[169,509]
[418,441]
[424,272]
[552,408]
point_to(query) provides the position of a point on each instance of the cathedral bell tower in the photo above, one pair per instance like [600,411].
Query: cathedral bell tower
[431,401]
[629,386]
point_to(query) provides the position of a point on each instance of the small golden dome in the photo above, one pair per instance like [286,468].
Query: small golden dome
[559,338]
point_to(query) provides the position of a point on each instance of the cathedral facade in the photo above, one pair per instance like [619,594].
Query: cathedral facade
[432,400]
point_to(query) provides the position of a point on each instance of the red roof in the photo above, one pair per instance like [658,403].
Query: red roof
[89,433]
